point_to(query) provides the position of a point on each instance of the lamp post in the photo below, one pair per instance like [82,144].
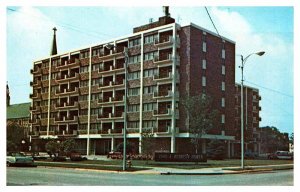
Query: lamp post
[242,103]
[110,47]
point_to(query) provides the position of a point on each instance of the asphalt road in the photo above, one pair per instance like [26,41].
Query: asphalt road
[30,176]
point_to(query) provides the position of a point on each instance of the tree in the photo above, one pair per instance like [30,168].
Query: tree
[14,137]
[67,146]
[201,115]
[147,144]
[292,138]
[52,148]
[130,148]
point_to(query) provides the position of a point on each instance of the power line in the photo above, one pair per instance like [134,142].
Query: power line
[212,22]
[65,25]
[271,89]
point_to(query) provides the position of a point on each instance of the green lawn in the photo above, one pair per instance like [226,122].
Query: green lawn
[116,165]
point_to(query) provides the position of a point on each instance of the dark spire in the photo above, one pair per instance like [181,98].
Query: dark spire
[54,47]
[166,11]
[7,95]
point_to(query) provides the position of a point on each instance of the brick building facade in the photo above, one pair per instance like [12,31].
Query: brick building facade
[80,94]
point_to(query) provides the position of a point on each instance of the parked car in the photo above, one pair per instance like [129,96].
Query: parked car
[250,155]
[74,156]
[115,155]
[281,155]
[17,158]
[59,158]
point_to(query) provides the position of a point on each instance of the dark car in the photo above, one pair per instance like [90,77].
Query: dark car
[250,155]
[74,156]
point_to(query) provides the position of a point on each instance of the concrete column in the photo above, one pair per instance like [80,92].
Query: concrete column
[203,145]
[112,144]
[228,149]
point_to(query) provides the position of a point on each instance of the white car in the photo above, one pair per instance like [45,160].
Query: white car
[17,158]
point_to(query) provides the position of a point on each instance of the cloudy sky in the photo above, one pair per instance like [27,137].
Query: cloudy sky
[269,29]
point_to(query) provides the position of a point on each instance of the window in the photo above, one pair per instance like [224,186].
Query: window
[54,75]
[96,67]
[44,103]
[83,112]
[223,86]
[55,62]
[133,75]
[83,126]
[95,96]
[45,90]
[223,118]
[223,102]
[223,53]
[149,106]
[45,64]
[45,77]
[95,111]
[134,108]
[204,47]
[223,69]
[84,54]
[95,126]
[150,38]
[96,81]
[134,59]
[84,83]
[133,91]
[204,64]
[149,89]
[150,72]
[150,55]
[83,97]
[96,52]
[148,124]
[84,69]
[44,115]
[133,124]
[134,42]
[203,81]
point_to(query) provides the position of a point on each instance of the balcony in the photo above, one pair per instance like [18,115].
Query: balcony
[164,112]
[164,42]
[163,60]
[111,70]
[166,96]
[132,130]
[112,54]
[67,119]
[108,117]
[110,85]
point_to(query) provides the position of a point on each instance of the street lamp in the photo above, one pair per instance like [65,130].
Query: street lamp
[110,47]
[242,103]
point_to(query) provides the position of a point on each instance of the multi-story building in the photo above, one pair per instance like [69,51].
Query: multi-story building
[251,118]
[80,94]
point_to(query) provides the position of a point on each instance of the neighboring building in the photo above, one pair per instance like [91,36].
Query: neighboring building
[80,94]
[273,140]
[251,118]
[19,114]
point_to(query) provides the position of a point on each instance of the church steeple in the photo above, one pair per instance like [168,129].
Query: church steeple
[7,95]
[54,46]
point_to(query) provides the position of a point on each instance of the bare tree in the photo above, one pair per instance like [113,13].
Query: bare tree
[147,144]
[201,116]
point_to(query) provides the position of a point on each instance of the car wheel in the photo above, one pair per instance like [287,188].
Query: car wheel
[7,164]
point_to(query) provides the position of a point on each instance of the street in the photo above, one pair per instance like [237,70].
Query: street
[28,176]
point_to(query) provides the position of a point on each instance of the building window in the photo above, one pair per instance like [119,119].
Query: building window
[150,55]
[84,83]
[134,108]
[150,38]
[95,96]
[83,112]
[133,75]
[203,81]
[84,69]
[222,118]
[204,47]
[223,69]
[96,52]
[223,53]
[45,77]
[149,106]
[84,54]
[150,72]
[134,91]
[134,59]
[223,86]
[55,62]
[95,111]
[149,89]
[96,81]
[133,124]
[134,42]
[83,126]
[83,97]
[149,124]
[204,64]
[96,67]
[223,102]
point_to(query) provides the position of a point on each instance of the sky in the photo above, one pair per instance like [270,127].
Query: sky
[270,29]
